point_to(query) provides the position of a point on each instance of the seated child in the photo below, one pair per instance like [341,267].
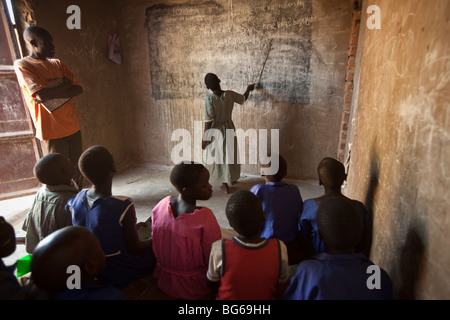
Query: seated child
[282,205]
[339,273]
[48,212]
[183,234]
[71,246]
[247,266]
[10,288]
[331,175]
[112,219]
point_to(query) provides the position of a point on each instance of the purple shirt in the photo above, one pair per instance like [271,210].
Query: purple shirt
[90,292]
[104,220]
[282,205]
[338,277]
[308,225]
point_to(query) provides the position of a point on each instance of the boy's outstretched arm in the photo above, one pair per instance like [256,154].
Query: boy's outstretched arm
[250,88]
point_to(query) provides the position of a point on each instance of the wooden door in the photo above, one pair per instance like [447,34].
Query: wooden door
[19,149]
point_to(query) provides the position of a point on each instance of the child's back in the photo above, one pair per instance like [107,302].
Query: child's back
[247,266]
[332,175]
[339,273]
[182,246]
[105,219]
[249,271]
[183,234]
[48,212]
[308,225]
[336,277]
[112,219]
[10,288]
[281,204]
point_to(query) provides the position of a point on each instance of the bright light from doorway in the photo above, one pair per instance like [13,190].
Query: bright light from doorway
[10,12]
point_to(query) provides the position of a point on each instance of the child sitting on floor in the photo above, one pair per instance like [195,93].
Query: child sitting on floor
[112,219]
[282,205]
[183,234]
[339,273]
[331,175]
[48,212]
[10,288]
[247,266]
[71,247]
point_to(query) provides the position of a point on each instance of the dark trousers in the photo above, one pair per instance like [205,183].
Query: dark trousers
[71,148]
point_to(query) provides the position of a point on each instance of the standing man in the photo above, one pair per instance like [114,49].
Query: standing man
[48,87]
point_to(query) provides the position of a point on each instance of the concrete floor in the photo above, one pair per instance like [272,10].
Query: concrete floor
[147,184]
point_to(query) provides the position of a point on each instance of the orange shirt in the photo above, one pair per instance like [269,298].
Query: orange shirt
[34,75]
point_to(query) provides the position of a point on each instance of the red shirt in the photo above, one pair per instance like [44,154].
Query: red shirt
[249,273]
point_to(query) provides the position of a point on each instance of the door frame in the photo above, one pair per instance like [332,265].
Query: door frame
[22,141]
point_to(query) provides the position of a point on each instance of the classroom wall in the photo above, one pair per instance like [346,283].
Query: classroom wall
[401,143]
[308,124]
[120,107]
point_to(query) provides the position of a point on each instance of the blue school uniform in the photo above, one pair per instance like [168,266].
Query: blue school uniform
[9,286]
[308,225]
[90,292]
[282,205]
[338,277]
[104,220]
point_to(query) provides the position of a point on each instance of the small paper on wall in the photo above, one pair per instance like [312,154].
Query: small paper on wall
[114,52]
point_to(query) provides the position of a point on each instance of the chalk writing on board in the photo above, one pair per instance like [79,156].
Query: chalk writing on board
[230,38]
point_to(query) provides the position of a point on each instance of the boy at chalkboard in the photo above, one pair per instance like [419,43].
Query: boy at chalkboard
[218,110]
[48,87]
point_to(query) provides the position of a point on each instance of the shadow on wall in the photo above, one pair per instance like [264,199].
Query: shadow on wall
[374,173]
[409,266]
[408,232]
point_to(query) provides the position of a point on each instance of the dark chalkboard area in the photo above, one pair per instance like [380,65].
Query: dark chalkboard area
[232,39]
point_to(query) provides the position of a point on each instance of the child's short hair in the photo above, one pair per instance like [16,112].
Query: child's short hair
[48,169]
[34,30]
[185,174]
[244,213]
[339,223]
[96,163]
[71,245]
[331,172]
[281,173]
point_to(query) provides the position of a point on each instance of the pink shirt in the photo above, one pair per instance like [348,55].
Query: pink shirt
[182,246]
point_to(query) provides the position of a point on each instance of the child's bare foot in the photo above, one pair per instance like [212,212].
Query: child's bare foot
[234,182]
[224,188]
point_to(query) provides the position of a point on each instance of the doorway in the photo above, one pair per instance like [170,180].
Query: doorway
[19,149]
